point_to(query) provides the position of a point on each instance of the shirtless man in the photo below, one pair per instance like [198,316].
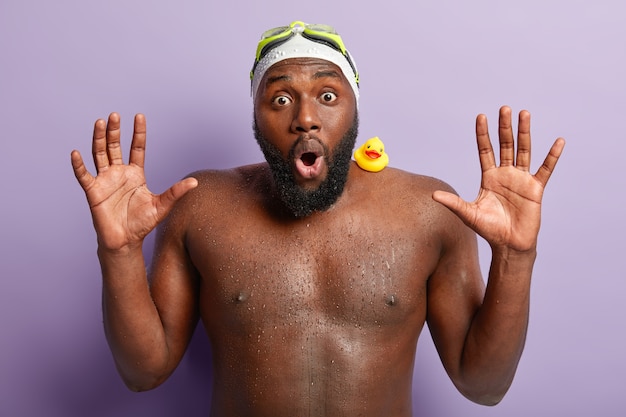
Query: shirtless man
[313,277]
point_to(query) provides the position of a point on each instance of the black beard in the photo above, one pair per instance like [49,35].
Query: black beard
[300,201]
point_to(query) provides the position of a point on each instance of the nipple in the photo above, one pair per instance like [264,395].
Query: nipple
[391,300]
[241,297]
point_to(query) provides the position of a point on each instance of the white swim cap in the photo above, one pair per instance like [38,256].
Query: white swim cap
[302,46]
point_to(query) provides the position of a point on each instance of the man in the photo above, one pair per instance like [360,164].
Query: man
[313,277]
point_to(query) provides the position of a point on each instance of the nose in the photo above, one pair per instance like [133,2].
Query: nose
[306,117]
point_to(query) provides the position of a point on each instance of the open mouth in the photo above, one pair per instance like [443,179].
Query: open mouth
[308,157]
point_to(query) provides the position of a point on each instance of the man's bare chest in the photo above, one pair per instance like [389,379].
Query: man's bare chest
[358,275]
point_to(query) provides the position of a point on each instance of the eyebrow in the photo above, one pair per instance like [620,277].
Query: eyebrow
[327,73]
[277,78]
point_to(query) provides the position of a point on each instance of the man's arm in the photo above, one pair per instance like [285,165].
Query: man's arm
[148,322]
[479,334]
[144,341]
[481,338]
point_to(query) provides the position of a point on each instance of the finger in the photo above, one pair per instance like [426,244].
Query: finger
[547,168]
[523,141]
[485,150]
[85,179]
[173,194]
[99,145]
[138,144]
[114,148]
[505,136]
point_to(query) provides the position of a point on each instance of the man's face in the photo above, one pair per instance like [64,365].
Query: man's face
[306,124]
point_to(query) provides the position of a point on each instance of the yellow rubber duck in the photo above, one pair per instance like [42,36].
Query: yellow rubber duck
[371,155]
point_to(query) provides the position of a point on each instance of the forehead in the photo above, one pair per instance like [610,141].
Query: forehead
[297,67]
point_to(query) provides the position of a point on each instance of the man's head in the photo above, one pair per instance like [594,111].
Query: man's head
[305,113]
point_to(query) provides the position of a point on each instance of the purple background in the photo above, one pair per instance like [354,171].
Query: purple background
[427,68]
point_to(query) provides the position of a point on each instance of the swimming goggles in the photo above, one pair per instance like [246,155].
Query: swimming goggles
[319,33]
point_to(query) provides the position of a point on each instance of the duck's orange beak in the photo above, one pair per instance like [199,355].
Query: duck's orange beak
[372,154]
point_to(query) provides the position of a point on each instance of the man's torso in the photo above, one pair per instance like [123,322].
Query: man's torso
[317,315]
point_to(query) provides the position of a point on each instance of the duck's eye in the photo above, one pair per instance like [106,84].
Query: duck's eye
[329,97]
[281,100]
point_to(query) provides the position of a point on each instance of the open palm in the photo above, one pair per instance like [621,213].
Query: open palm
[507,211]
[124,211]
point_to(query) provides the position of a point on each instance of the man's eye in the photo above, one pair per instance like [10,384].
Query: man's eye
[282,100]
[329,97]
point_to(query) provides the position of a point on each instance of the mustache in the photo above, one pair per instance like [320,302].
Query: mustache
[308,147]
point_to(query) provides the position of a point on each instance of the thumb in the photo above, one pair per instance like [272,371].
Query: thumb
[173,194]
[452,201]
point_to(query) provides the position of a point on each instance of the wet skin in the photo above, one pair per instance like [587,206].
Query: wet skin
[319,315]
[316,315]
[313,316]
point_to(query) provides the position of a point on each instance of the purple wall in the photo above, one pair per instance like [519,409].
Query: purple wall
[427,69]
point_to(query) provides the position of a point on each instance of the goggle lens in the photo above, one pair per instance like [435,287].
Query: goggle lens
[320,33]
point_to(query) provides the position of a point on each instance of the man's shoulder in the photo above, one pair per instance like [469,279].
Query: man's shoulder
[220,194]
[229,173]
[224,191]
[232,179]
[401,182]
[406,194]
[410,196]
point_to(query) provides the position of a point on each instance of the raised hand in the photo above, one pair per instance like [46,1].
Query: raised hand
[124,211]
[507,211]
